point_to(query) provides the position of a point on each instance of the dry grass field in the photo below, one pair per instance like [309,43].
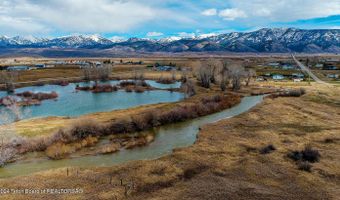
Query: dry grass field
[225,162]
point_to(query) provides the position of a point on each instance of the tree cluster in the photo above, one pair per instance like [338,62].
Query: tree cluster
[225,74]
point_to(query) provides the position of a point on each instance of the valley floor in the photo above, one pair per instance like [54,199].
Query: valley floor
[225,162]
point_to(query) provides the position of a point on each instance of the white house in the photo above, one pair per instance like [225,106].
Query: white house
[278,77]
[336,76]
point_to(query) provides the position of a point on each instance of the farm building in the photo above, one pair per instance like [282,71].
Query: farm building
[165,68]
[336,76]
[19,68]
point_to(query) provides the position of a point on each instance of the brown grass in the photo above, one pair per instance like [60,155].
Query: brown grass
[219,165]
[61,150]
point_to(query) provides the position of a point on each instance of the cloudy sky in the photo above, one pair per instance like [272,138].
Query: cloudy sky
[161,18]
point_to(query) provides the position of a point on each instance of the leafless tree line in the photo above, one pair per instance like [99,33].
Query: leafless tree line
[8,137]
[97,73]
[224,73]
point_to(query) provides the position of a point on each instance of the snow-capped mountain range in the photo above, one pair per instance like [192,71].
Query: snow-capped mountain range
[275,40]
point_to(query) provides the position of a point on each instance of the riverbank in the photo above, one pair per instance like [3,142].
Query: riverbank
[225,161]
[86,132]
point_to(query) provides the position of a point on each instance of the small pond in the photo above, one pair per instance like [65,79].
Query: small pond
[75,103]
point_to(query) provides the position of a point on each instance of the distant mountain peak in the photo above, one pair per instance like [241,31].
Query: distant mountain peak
[270,40]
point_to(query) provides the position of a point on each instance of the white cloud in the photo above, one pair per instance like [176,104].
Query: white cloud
[75,15]
[209,12]
[287,10]
[22,25]
[232,14]
[154,34]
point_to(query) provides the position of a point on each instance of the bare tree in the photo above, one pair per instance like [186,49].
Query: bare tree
[224,74]
[237,72]
[8,137]
[87,73]
[104,72]
[95,73]
[205,75]
[6,154]
[212,65]
[184,76]
[189,88]
[139,75]
[9,78]
[249,74]
[11,105]
[9,140]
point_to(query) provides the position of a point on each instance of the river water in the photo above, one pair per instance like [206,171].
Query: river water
[167,138]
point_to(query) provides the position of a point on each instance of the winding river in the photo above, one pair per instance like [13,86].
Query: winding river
[167,138]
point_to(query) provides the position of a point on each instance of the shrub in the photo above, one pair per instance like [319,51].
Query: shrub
[38,96]
[59,151]
[142,83]
[311,155]
[104,88]
[308,154]
[267,149]
[295,155]
[290,93]
[79,130]
[304,166]
[62,83]
[121,126]
[127,83]
[83,88]
[215,99]
[140,123]
[166,80]
[302,91]
[331,140]
[139,89]
[128,89]
[294,93]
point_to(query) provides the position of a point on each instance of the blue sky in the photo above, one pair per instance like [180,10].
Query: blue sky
[161,18]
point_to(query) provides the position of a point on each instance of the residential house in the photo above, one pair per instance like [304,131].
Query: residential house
[278,77]
[274,64]
[298,75]
[165,68]
[319,65]
[288,67]
[335,76]
[330,67]
[39,66]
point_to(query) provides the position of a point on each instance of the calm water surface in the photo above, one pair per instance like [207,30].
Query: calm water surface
[75,103]
[167,138]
